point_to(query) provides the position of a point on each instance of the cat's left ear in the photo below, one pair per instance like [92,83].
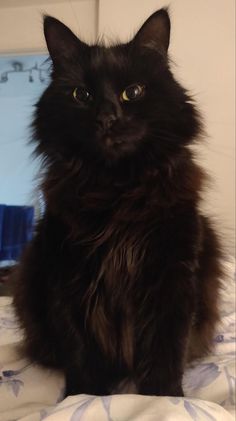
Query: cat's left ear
[62,43]
[155,32]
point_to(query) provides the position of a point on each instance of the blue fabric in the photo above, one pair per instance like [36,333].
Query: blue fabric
[16,230]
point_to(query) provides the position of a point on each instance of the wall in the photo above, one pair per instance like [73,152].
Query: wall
[21,27]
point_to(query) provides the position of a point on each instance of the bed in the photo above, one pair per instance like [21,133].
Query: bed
[31,393]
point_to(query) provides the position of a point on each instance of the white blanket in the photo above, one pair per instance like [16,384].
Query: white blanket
[30,393]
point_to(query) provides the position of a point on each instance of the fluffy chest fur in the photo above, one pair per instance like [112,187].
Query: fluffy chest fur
[109,300]
[113,251]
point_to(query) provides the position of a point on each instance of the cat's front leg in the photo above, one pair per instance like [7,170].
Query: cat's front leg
[87,373]
[164,340]
[80,381]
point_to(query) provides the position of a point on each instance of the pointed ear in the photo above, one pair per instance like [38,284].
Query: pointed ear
[155,32]
[62,44]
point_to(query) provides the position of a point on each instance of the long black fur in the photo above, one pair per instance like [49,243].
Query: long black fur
[121,280]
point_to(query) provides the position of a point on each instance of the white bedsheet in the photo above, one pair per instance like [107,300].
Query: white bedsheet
[30,393]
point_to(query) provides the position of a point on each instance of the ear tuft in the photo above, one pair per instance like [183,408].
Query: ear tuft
[155,31]
[62,43]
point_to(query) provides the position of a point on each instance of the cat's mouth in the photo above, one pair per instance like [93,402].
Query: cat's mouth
[111,141]
[117,146]
[116,141]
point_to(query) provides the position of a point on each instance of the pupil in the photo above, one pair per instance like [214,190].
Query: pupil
[133,92]
[83,94]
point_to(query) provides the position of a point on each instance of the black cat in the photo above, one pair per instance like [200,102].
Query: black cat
[121,280]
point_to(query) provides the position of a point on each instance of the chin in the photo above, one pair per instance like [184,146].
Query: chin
[117,148]
[119,151]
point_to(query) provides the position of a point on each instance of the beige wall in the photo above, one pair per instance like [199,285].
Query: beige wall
[202,45]
[21,27]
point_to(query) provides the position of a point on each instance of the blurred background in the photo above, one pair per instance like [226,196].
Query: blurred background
[203,53]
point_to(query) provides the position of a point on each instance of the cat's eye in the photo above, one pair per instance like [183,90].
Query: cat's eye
[132,93]
[81,94]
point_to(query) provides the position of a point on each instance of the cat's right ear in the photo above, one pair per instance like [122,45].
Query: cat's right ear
[62,43]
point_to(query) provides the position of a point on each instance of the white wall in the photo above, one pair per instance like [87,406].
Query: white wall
[203,48]
[21,27]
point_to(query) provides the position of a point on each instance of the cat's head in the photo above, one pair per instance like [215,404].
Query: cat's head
[113,103]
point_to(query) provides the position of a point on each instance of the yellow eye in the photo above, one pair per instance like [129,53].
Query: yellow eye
[132,93]
[82,95]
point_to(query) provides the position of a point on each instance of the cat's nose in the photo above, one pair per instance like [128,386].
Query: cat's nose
[105,121]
